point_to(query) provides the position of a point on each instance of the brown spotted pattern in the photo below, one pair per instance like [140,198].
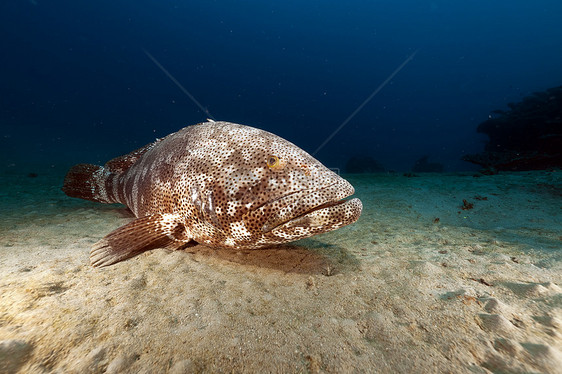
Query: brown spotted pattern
[230,185]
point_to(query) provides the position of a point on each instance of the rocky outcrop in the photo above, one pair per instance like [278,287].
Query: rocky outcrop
[422,165]
[363,164]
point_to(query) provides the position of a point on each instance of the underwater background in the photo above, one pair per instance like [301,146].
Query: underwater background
[448,270]
[84,81]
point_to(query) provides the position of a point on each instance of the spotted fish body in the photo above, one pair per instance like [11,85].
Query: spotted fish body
[216,183]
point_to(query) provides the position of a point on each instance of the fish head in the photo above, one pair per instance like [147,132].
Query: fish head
[264,190]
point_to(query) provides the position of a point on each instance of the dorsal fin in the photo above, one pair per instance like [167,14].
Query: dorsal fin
[120,164]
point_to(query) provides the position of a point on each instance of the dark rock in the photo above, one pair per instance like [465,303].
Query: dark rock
[423,166]
[363,164]
[410,175]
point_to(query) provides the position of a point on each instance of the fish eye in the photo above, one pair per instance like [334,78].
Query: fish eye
[272,161]
[275,163]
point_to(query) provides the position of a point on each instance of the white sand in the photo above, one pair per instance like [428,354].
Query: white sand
[478,291]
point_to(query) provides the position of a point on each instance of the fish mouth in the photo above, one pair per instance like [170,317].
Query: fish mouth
[325,217]
[316,211]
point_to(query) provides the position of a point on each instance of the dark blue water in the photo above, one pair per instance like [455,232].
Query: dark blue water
[76,85]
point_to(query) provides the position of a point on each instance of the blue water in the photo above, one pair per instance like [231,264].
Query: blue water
[76,85]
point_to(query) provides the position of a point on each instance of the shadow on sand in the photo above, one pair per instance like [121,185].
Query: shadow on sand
[313,258]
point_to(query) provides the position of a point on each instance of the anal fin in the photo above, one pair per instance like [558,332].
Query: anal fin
[140,235]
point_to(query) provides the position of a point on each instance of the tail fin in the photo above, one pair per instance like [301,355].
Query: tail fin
[89,182]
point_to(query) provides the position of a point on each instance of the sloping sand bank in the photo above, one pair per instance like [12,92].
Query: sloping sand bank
[417,285]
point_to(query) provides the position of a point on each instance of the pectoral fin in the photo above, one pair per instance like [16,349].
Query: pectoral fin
[140,235]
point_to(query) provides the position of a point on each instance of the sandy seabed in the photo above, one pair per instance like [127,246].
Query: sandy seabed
[417,285]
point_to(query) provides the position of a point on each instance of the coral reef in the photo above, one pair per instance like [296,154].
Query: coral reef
[526,137]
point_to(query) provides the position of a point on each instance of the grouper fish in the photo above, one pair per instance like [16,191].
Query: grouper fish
[219,184]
